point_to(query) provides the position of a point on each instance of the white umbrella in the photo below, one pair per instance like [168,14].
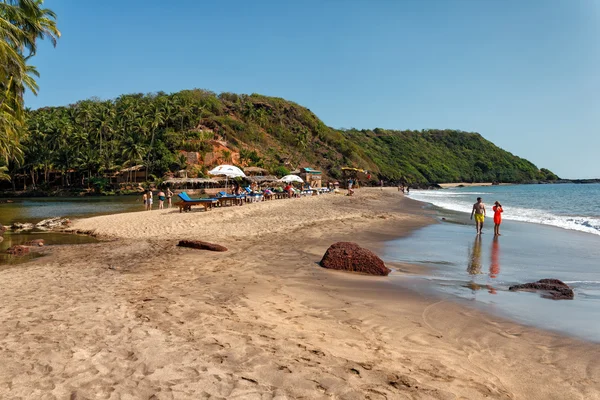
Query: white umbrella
[229,171]
[291,178]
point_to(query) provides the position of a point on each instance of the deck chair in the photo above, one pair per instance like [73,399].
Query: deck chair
[251,196]
[186,202]
[232,199]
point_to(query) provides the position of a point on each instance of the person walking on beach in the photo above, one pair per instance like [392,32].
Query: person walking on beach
[169,197]
[497,217]
[161,200]
[479,212]
[145,200]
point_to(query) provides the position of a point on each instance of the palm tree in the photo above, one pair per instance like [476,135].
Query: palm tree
[157,118]
[22,23]
[133,152]
[4,176]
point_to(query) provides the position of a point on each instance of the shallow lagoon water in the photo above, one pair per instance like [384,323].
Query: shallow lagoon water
[50,238]
[481,268]
[37,209]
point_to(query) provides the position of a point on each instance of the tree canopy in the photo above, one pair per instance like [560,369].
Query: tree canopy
[22,24]
[94,138]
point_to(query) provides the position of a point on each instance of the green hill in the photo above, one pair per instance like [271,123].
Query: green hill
[94,138]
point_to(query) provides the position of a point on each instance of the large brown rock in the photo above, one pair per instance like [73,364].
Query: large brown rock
[550,288]
[18,250]
[348,256]
[200,245]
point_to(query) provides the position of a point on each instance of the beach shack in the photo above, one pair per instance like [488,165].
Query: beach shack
[259,175]
[137,173]
[312,176]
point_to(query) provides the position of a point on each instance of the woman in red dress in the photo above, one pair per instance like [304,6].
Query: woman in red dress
[497,217]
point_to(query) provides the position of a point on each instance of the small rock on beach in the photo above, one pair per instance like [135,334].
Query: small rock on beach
[35,242]
[200,245]
[18,250]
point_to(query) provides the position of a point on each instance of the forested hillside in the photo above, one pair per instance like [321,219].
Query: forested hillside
[94,138]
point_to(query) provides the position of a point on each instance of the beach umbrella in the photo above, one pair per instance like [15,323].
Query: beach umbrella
[291,178]
[229,171]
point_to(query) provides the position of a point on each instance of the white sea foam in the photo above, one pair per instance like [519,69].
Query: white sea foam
[458,202]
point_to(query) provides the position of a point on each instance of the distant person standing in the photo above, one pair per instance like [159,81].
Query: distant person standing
[479,212]
[381,183]
[161,200]
[149,201]
[145,200]
[497,217]
[169,197]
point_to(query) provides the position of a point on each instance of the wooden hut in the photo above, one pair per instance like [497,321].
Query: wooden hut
[137,173]
[311,176]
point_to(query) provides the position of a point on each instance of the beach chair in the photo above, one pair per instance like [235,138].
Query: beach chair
[186,202]
[268,194]
[251,196]
[224,198]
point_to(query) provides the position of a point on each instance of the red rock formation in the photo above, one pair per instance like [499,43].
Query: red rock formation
[18,250]
[200,245]
[552,288]
[348,256]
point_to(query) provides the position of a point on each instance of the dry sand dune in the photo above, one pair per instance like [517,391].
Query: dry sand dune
[139,318]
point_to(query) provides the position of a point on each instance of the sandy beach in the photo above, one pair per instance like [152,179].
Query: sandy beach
[136,317]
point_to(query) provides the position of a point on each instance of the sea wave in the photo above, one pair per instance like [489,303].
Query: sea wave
[452,202]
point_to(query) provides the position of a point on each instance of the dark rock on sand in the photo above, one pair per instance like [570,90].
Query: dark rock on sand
[200,245]
[552,288]
[348,256]
[18,250]
[35,242]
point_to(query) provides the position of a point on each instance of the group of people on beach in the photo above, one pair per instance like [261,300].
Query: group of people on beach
[479,213]
[147,199]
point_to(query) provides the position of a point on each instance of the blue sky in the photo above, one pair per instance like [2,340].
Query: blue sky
[524,74]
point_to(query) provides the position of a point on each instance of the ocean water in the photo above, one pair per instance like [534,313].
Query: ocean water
[569,206]
[559,240]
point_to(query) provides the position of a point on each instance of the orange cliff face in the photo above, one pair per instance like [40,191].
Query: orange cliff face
[216,156]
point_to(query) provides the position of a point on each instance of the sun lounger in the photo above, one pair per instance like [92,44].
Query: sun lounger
[251,196]
[232,199]
[186,202]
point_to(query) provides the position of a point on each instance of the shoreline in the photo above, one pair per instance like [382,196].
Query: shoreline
[466,184]
[263,319]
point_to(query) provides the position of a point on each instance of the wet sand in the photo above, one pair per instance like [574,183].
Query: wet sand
[139,318]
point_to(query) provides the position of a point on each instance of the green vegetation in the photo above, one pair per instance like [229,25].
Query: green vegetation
[22,23]
[92,139]
[436,156]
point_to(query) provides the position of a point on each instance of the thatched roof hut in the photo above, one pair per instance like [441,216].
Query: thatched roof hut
[255,171]
[262,179]
[193,182]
